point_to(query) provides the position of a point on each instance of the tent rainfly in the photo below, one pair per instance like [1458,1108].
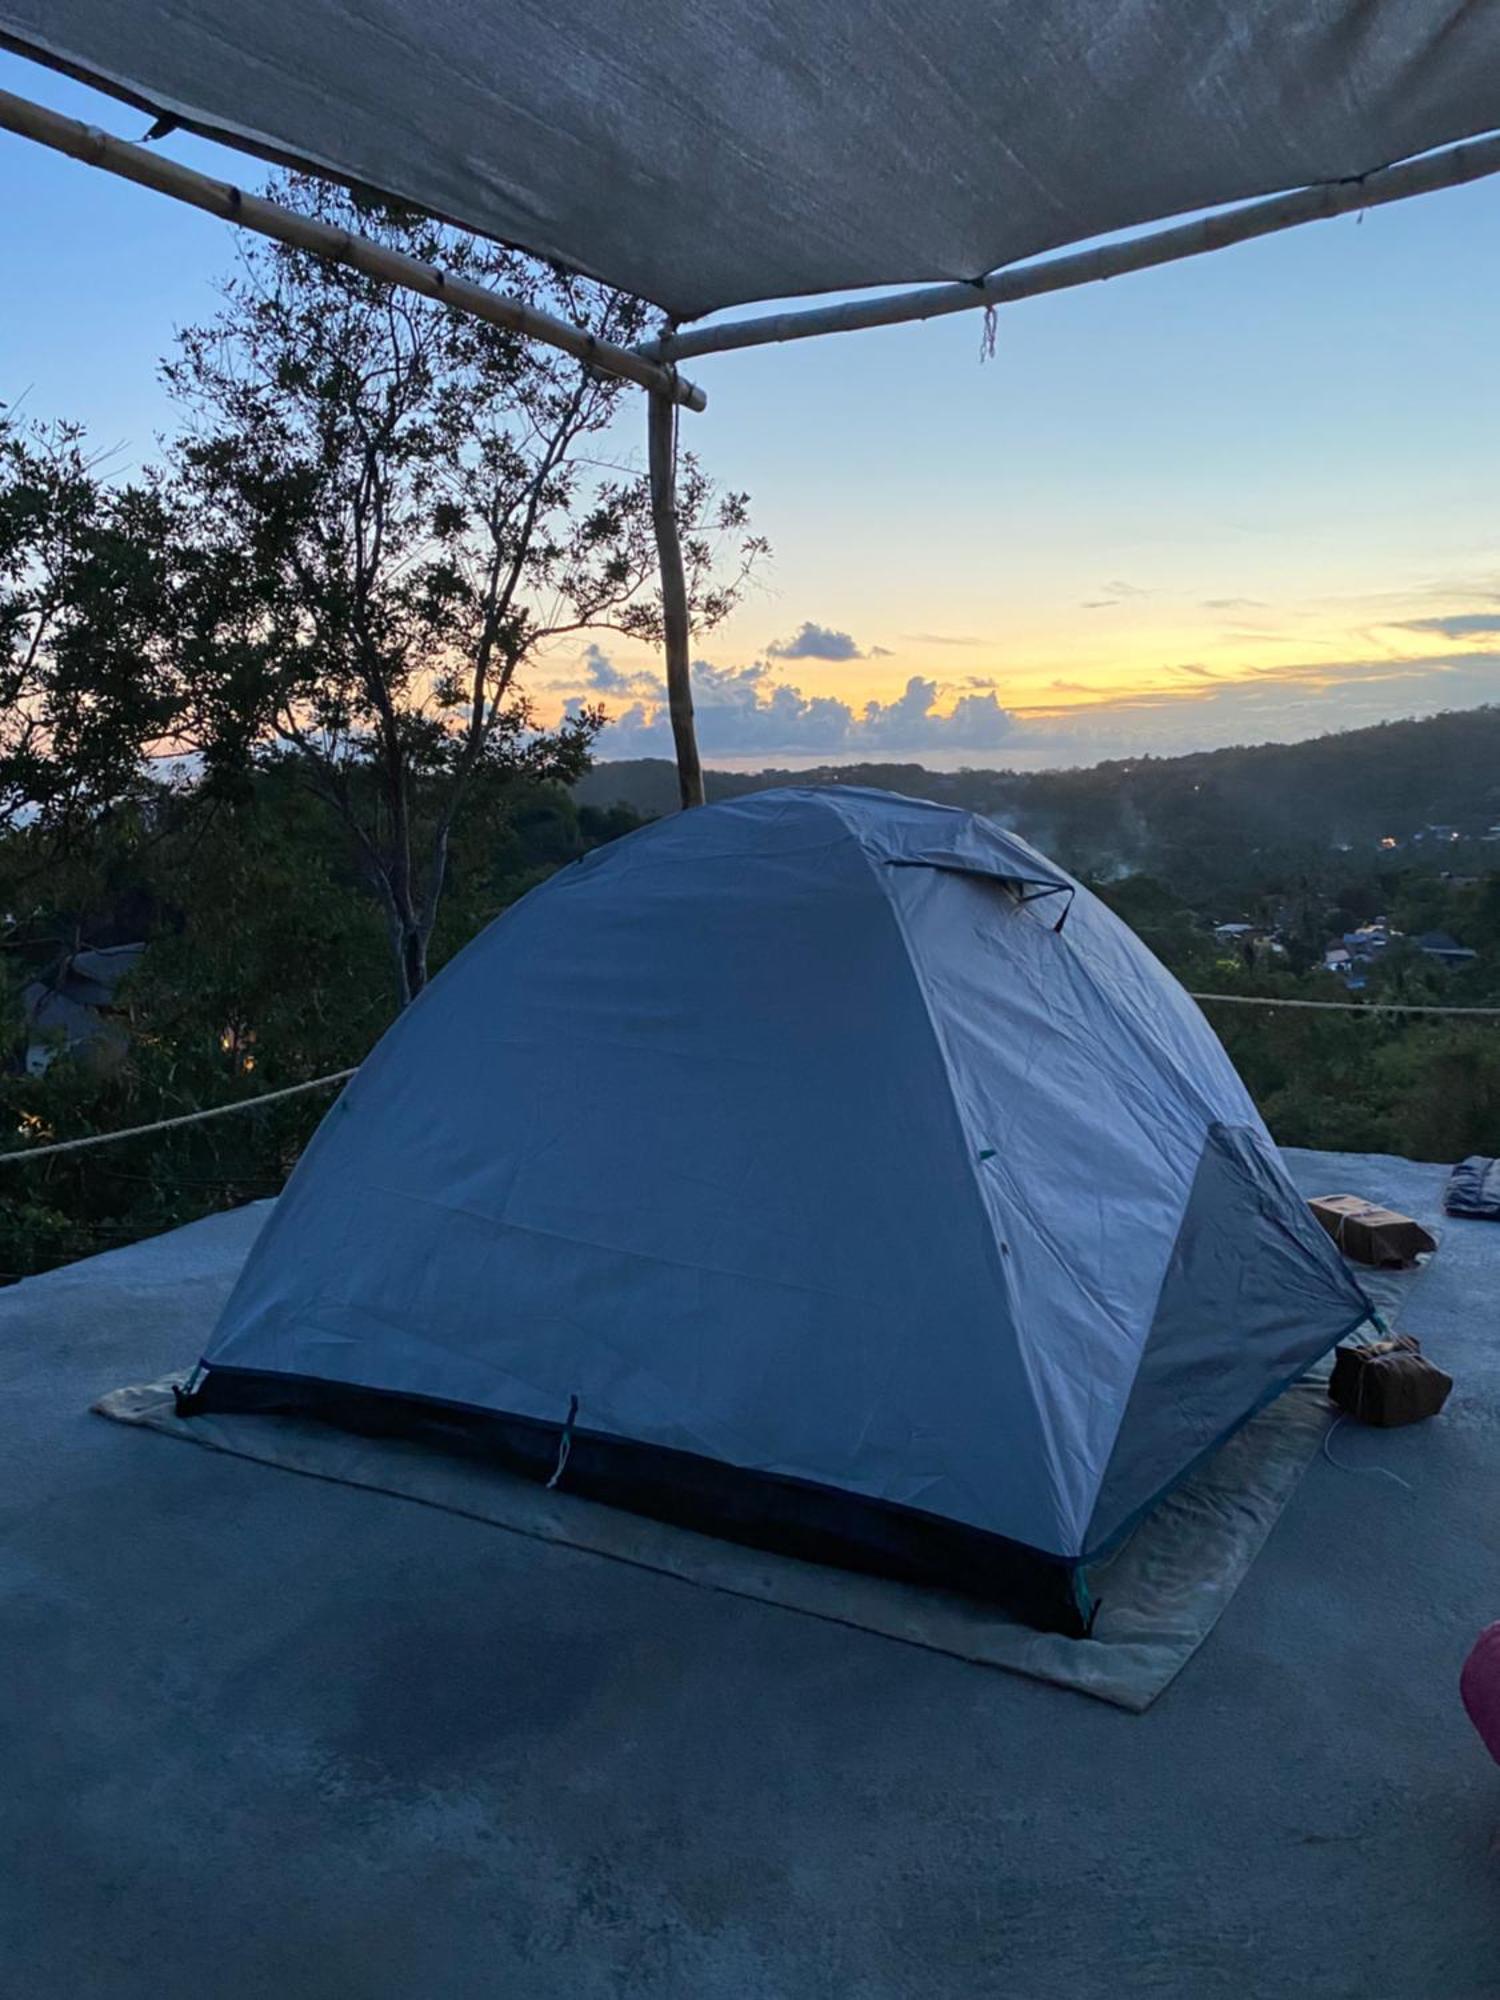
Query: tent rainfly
[826,1170]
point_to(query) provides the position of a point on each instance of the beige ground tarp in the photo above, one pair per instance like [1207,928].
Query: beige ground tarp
[1160,1597]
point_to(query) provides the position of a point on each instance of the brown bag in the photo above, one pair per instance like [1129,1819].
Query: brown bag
[1369,1234]
[1387,1382]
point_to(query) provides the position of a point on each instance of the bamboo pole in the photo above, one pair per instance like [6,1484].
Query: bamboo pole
[1450,168]
[674,598]
[154,170]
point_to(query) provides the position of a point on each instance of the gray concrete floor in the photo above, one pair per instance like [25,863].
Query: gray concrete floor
[263,1736]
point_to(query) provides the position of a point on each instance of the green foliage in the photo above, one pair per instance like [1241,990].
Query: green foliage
[85,684]
[1164,925]
[1362,1081]
[383,510]
[323,604]
[265,965]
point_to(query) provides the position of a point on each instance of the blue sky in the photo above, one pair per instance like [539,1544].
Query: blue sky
[1255,495]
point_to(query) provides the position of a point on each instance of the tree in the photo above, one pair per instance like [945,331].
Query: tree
[265,965]
[388,510]
[86,684]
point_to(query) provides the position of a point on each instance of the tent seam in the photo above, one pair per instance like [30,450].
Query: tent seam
[997,1262]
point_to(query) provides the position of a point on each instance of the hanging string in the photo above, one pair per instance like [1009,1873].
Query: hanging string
[172,1124]
[565,1445]
[1383,1471]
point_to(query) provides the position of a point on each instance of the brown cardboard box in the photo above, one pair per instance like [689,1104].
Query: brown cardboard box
[1388,1382]
[1372,1235]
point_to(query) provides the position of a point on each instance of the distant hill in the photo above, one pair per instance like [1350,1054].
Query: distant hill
[1210,818]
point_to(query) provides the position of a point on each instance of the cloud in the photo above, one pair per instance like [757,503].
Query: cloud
[1233,603]
[816,642]
[940,639]
[604,677]
[749,715]
[744,711]
[912,721]
[880,653]
[1116,591]
[1460,625]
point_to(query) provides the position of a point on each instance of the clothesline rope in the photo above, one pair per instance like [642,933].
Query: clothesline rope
[1348,1006]
[343,1075]
[171,1124]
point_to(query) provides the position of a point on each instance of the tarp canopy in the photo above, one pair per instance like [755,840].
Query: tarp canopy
[702,153]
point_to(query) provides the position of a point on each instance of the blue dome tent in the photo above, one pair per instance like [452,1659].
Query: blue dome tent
[825,1169]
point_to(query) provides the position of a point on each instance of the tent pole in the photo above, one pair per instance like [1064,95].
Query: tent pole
[267,218]
[1451,168]
[662,423]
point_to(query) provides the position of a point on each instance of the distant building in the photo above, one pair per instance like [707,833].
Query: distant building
[1369,941]
[1343,965]
[73,1008]
[1445,948]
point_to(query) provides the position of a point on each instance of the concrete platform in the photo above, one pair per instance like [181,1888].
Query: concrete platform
[262,1735]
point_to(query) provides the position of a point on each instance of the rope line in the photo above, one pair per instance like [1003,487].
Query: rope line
[1347,1006]
[343,1075]
[171,1124]
[1383,1470]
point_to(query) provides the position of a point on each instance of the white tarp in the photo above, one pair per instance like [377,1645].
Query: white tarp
[706,152]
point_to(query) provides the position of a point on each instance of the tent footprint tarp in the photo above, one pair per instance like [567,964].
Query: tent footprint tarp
[1159,1597]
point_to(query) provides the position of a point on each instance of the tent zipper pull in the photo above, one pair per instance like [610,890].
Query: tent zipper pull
[565,1444]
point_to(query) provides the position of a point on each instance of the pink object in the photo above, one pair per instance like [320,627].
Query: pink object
[1479,1684]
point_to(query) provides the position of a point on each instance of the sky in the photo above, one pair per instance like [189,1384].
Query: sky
[1254,496]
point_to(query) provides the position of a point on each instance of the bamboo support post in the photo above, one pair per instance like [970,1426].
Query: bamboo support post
[267,218]
[1452,167]
[674,597]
